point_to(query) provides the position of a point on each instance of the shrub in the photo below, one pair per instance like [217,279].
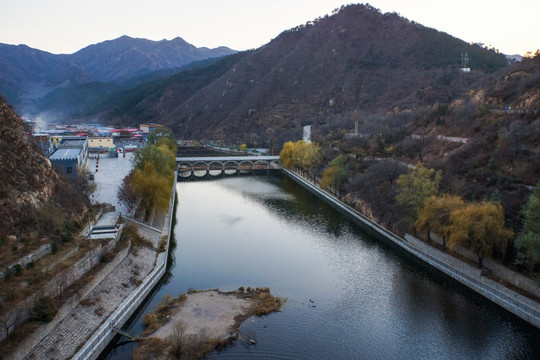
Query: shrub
[18,269]
[8,273]
[149,320]
[54,247]
[45,309]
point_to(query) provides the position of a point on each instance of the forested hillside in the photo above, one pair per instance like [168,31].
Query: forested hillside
[355,60]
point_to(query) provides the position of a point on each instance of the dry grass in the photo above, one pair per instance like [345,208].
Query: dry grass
[157,318]
[135,281]
[87,302]
[42,272]
[99,311]
[152,348]
[180,346]
[36,277]
[17,336]
[130,233]
[162,246]
[267,303]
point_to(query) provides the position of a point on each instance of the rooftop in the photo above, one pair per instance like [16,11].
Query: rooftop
[72,143]
[66,154]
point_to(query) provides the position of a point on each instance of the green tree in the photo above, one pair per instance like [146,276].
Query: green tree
[159,134]
[334,174]
[415,188]
[153,190]
[528,242]
[164,164]
[435,215]
[480,228]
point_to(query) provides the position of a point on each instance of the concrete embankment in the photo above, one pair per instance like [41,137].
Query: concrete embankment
[470,276]
[104,334]
[85,328]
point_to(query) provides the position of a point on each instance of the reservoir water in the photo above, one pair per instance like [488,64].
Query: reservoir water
[348,295]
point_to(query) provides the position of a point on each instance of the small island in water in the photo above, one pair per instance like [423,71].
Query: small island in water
[196,323]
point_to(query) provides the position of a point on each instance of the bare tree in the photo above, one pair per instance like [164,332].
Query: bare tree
[9,318]
[177,339]
[388,169]
[417,144]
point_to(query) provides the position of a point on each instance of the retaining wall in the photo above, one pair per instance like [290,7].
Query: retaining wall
[33,339]
[61,281]
[498,270]
[104,334]
[32,257]
[511,301]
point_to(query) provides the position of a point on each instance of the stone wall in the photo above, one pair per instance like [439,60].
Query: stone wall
[104,334]
[32,257]
[498,270]
[43,330]
[60,282]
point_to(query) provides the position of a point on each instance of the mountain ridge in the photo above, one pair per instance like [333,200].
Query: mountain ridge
[27,73]
[356,59]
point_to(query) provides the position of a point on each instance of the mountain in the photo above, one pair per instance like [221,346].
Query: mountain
[357,59]
[27,74]
[29,182]
[80,101]
[126,56]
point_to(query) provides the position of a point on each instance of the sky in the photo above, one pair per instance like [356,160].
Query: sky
[65,26]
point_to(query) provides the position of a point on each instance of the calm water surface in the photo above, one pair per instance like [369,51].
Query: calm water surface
[348,295]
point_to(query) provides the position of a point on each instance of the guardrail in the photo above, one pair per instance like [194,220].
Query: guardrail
[104,334]
[515,303]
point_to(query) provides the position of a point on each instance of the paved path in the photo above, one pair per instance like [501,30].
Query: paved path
[80,324]
[111,172]
[77,327]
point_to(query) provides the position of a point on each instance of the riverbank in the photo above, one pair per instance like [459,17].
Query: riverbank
[198,322]
[86,328]
[470,276]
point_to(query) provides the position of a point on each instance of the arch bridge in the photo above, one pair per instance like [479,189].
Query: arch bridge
[211,165]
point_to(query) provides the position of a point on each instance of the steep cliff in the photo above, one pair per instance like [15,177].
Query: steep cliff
[28,182]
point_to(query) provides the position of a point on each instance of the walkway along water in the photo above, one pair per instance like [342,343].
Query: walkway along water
[88,327]
[106,332]
[521,306]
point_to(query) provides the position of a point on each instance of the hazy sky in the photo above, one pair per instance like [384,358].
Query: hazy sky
[65,26]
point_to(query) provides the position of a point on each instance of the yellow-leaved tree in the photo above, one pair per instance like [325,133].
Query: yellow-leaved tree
[480,228]
[435,215]
[153,190]
[286,154]
[299,154]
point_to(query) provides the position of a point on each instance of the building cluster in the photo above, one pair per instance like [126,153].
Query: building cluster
[70,146]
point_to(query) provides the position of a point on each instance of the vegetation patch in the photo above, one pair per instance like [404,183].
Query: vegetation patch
[179,326]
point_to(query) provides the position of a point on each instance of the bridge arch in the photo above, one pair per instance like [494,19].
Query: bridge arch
[262,162]
[210,165]
[185,166]
[230,165]
[225,164]
[246,162]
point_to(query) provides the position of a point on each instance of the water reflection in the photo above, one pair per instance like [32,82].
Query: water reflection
[349,296]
